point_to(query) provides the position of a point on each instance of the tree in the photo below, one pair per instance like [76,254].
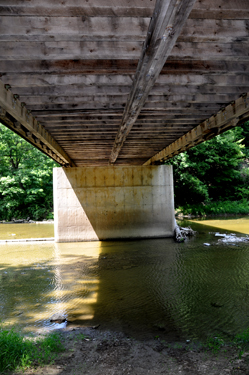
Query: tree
[26,188]
[214,170]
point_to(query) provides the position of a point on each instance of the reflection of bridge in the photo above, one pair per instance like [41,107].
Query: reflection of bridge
[96,83]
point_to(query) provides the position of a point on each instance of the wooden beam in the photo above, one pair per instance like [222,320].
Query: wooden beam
[70,50]
[46,82]
[225,119]
[70,66]
[116,95]
[41,29]
[166,24]
[115,66]
[98,8]
[48,109]
[16,116]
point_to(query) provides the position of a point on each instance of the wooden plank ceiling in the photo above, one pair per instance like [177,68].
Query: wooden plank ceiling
[72,65]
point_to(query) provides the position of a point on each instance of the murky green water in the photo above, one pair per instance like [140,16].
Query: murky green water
[145,288]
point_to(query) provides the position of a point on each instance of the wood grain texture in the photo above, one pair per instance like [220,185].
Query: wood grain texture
[165,26]
[73,64]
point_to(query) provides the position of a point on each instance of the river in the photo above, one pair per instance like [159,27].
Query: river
[145,288]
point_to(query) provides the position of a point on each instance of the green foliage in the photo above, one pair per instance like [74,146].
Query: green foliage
[214,343]
[216,208]
[26,188]
[241,341]
[16,351]
[243,337]
[216,170]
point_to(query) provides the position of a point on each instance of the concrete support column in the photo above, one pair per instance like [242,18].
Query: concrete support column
[100,203]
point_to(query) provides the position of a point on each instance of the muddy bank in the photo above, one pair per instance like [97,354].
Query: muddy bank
[27,221]
[91,351]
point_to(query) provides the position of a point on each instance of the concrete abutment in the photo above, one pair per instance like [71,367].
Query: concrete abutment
[101,203]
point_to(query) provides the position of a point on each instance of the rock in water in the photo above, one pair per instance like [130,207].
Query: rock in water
[59,318]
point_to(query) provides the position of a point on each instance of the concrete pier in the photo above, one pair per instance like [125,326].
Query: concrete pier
[101,203]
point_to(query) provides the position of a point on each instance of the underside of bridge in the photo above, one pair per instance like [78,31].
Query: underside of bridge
[113,87]
[124,82]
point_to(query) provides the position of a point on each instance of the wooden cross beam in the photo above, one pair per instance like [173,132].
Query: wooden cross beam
[166,24]
[230,116]
[15,116]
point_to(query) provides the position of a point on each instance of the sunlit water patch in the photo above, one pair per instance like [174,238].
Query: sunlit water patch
[238,225]
[147,288]
[19,231]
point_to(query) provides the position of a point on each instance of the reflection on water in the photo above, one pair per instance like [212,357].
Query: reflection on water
[146,287]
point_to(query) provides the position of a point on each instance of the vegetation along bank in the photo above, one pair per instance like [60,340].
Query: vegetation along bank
[210,179]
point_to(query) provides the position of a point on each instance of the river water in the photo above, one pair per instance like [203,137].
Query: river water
[145,288]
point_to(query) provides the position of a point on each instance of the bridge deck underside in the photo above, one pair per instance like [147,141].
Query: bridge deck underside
[73,63]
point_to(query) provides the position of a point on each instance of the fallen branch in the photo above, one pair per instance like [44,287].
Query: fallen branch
[182,233]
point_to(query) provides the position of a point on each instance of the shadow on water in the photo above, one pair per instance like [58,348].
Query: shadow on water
[92,283]
[144,288]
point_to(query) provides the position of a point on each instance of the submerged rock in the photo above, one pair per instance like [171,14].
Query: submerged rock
[59,318]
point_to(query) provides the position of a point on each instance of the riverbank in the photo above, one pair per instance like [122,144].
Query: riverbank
[24,221]
[92,351]
[209,209]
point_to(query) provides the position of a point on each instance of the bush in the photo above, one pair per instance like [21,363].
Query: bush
[16,351]
[216,170]
[26,187]
[216,208]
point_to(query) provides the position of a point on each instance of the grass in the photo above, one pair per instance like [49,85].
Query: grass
[20,352]
[216,208]
[240,343]
[214,344]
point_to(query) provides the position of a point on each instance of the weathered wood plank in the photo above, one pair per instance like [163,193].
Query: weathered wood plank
[54,94]
[97,8]
[69,50]
[27,80]
[70,66]
[114,66]
[109,80]
[121,9]
[100,101]
[50,108]
[200,51]
[143,125]
[90,29]
[94,119]
[237,51]
[209,30]
[79,28]
[217,14]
